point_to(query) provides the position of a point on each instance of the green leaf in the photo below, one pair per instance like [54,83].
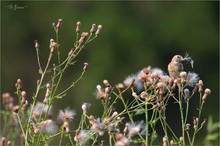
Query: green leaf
[29,142]
[212,126]
[60,96]
[139,111]
[209,124]
[72,62]
[211,137]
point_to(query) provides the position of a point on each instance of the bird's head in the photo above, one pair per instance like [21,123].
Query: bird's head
[177,58]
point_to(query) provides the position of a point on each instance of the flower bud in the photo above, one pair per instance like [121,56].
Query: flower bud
[85,107]
[36,45]
[171,142]
[106,83]
[36,130]
[23,93]
[71,52]
[134,94]
[186,93]
[16,108]
[98,30]
[24,107]
[83,37]
[78,24]
[23,97]
[85,66]
[126,128]
[204,122]
[93,29]
[9,143]
[187,127]
[118,136]
[114,114]
[59,23]
[120,86]
[48,85]
[195,120]
[164,139]
[66,126]
[18,84]
[3,141]
[200,86]
[53,45]
[183,75]
[207,92]
[181,140]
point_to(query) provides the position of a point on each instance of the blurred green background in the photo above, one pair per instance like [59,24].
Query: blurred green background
[134,35]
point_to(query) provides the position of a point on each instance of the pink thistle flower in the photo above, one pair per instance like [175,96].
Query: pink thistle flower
[121,140]
[82,137]
[142,76]
[136,128]
[101,94]
[132,80]
[48,126]
[66,114]
[156,73]
[41,108]
[192,79]
[97,125]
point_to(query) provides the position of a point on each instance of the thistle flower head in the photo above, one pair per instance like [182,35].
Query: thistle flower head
[129,81]
[119,86]
[165,79]
[7,99]
[101,94]
[142,76]
[132,81]
[135,128]
[66,114]
[192,79]
[41,108]
[121,140]
[97,125]
[85,107]
[82,137]
[48,126]
[156,73]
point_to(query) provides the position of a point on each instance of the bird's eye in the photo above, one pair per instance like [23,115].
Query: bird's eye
[178,57]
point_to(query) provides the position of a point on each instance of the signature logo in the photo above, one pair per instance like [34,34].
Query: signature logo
[15,7]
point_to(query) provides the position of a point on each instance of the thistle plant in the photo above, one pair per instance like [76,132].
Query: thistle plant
[152,91]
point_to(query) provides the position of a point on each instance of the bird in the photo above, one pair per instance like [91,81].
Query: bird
[175,66]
